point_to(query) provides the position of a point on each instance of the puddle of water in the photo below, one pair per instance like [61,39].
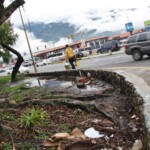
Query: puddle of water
[61,84]
[34,82]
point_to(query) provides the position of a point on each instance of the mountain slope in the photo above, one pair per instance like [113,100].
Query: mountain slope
[55,31]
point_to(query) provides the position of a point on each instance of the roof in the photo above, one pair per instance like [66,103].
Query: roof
[92,39]
[61,47]
[125,35]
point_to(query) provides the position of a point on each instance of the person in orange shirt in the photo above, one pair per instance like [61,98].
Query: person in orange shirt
[70,56]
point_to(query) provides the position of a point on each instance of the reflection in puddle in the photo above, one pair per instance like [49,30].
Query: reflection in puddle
[68,85]
[47,83]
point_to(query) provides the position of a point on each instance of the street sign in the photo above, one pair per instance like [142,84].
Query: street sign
[129,27]
[147,25]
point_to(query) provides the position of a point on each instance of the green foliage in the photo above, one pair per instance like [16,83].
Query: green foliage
[6,56]
[65,127]
[26,146]
[17,97]
[7,146]
[15,92]
[9,38]
[32,117]
[42,135]
[4,80]
[7,116]
[7,33]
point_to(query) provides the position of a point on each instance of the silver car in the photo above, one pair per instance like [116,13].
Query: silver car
[138,45]
[22,70]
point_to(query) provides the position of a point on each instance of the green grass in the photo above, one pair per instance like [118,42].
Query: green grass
[32,117]
[7,116]
[26,146]
[65,128]
[19,92]
[17,97]
[7,79]
[6,146]
[16,92]
[4,80]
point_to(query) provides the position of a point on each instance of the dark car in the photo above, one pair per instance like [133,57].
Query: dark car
[79,54]
[2,70]
[138,45]
[112,45]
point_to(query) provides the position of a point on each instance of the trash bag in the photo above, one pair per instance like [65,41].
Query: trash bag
[67,66]
[77,63]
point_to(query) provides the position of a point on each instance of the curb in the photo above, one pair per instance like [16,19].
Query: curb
[103,55]
[143,89]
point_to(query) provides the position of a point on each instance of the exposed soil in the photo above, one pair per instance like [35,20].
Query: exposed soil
[97,105]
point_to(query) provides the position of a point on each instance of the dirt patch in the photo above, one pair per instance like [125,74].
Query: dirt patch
[98,105]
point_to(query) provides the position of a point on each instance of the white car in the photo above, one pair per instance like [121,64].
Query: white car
[47,61]
[56,57]
[40,63]
[22,70]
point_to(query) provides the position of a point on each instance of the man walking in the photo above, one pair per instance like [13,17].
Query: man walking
[70,56]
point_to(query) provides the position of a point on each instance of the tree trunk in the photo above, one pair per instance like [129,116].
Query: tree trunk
[18,63]
[5,13]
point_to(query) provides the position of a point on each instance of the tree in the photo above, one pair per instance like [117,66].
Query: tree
[7,36]
[5,13]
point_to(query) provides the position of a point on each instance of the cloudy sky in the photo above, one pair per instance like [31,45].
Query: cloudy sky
[79,13]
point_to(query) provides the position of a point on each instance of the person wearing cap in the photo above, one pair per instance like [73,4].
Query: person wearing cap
[70,56]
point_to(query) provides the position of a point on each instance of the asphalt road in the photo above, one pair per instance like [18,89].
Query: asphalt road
[118,61]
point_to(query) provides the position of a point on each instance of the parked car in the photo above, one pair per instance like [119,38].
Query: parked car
[40,63]
[83,52]
[27,63]
[112,45]
[22,70]
[138,45]
[56,57]
[2,70]
[123,42]
[79,54]
[47,61]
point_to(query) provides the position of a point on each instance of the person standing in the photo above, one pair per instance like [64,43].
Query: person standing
[70,56]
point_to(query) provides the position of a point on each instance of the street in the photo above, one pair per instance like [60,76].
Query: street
[119,61]
[113,62]
[116,61]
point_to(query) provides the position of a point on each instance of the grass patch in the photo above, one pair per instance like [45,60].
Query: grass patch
[65,128]
[7,116]
[7,79]
[16,92]
[10,89]
[4,80]
[17,97]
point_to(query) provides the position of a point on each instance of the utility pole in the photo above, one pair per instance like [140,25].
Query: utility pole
[27,40]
